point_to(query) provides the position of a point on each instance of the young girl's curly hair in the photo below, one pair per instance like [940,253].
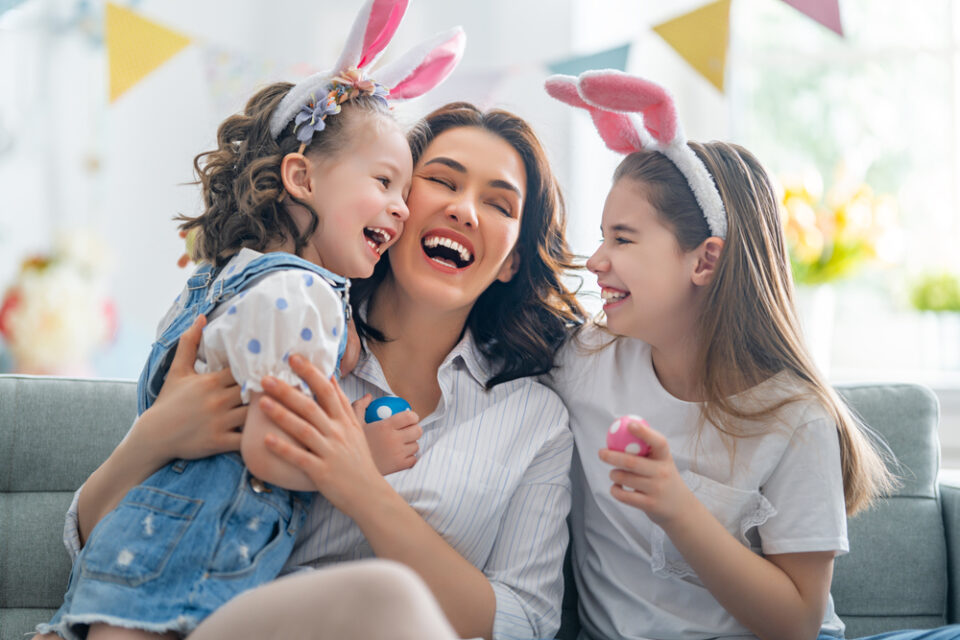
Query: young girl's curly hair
[243,194]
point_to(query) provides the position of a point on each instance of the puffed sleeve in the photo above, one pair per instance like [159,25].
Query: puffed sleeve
[254,333]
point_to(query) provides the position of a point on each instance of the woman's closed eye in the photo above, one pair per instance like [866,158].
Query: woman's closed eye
[442,181]
[384,180]
[502,208]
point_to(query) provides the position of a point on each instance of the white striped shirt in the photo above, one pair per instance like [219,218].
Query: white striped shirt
[492,479]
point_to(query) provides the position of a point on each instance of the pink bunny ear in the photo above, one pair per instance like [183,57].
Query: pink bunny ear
[372,30]
[423,67]
[616,129]
[615,90]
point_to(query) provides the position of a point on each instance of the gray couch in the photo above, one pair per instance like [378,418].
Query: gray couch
[903,570]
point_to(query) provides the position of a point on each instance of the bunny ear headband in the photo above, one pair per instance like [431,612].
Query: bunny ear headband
[424,67]
[633,114]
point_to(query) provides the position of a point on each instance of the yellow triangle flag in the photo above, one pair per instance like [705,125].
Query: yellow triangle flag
[701,37]
[135,47]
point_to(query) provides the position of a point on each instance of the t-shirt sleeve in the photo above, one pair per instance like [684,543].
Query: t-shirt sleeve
[806,489]
[287,312]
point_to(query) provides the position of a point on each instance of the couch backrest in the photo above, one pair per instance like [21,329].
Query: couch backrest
[53,433]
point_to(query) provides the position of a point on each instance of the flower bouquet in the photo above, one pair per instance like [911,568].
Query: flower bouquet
[831,235]
[57,311]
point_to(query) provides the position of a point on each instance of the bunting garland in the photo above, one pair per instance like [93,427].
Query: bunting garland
[701,37]
[135,47]
[615,58]
[826,12]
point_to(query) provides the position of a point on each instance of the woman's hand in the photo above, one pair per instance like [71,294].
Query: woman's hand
[651,483]
[333,449]
[196,414]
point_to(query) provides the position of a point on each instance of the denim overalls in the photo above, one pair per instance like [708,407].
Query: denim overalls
[196,532]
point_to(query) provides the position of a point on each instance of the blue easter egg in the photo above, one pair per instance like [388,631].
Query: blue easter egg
[384,407]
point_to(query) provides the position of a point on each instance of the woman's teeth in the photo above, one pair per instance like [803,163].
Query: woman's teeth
[437,241]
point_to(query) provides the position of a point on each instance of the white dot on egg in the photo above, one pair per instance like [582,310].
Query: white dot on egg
[633,448]
[384,412]
[615,426]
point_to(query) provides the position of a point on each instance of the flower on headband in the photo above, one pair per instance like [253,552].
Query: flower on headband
[350,83]
[311,116]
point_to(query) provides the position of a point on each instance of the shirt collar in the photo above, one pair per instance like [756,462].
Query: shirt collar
[466,351]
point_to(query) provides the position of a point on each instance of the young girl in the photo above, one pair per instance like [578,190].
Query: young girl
[729,526]
[306,189]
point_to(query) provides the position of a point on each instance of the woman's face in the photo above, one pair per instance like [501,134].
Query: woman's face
[465,204]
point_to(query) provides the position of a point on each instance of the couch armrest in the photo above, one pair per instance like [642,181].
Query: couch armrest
[950,503]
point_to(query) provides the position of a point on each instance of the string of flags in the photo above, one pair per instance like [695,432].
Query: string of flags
[137,45]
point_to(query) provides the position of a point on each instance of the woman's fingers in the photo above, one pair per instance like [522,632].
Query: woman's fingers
[292,424]
[297,457]
[294,400]
[323,390]
[187,347]
[224,378]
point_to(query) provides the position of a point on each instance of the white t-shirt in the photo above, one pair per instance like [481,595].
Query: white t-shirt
[780,492]
[284,312]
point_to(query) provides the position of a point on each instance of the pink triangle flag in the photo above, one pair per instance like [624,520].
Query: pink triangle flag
[826,12]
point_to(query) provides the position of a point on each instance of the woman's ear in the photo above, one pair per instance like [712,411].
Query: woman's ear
[708,255]
[510,267]
[295,175]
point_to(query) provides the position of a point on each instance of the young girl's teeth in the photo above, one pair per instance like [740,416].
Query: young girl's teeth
[609,295]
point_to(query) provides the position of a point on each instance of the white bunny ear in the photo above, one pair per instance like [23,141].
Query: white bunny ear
[423,67]
[618,130]
[372,30]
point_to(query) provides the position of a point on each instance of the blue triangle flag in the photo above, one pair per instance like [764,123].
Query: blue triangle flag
[615,58]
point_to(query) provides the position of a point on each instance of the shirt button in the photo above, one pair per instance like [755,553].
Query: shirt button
[257,485]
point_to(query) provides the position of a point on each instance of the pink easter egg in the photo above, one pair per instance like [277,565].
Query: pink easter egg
[619,437]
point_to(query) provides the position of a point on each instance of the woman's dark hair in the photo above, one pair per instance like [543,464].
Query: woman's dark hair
[518,325]
[240,179]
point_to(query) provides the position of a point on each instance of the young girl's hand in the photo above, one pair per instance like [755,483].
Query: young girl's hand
[652,482]
[196,414]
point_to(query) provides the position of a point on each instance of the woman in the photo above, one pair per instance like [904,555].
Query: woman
[468,308]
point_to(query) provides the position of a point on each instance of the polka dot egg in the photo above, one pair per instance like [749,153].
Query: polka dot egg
[619,437]
[383,408]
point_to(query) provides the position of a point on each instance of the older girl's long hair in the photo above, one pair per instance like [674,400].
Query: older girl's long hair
[518,325]
[749,329]
[240,180]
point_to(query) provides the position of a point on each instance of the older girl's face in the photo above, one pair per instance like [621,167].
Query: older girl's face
[465,204]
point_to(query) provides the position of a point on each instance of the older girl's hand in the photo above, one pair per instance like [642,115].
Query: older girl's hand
[196,414]
[651,483]
[333,450]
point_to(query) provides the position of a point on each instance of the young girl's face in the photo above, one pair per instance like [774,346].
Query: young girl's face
[359,195]
[644,275]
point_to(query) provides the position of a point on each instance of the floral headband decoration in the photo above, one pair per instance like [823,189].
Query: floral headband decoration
[314,98]
[634,114]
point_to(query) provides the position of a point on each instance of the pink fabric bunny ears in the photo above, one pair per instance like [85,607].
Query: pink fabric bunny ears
[412,75]
[633,114]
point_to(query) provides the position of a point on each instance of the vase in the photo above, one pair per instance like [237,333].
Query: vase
[816,308]
[940,340]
